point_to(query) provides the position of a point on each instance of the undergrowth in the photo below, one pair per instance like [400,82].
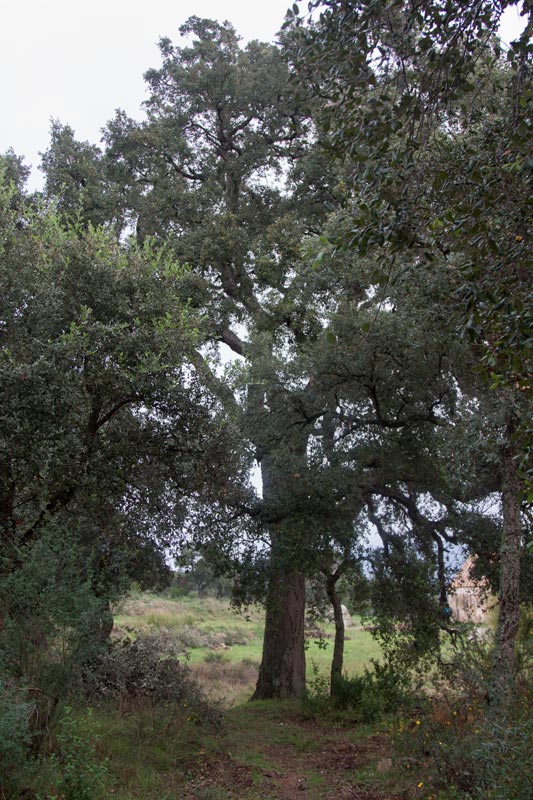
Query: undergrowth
[463,744]
[370,696]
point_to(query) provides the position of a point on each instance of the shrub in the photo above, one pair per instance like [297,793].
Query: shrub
[502,760]
[52,618]
[479,758]
[15,738]
[376,692]
[471,746]
[215,657]
[80,773]
[144,674]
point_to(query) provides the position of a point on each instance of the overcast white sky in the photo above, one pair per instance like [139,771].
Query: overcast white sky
[78,62]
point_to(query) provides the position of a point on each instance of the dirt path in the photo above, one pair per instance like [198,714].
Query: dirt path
[271,753]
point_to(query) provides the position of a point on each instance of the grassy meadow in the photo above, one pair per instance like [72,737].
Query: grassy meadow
[223,647]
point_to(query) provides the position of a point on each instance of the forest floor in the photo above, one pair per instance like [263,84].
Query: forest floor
[269,751]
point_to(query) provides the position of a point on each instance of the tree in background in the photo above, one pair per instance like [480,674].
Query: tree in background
[347,384]
[104,433]
[439,129]
[223,122]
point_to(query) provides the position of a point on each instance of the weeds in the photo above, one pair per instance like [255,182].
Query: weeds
[370,696]
[460,745]
[80,773]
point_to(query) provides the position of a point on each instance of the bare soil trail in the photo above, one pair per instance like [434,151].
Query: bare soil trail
[270,752]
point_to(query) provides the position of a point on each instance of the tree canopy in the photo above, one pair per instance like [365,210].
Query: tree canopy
[313,257]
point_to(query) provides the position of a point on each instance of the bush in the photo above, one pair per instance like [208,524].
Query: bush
[215,657]
[502,760]
[374,693]
[478,758]
[80,773]
[52,618]
[146,674]
[15,738]
[471,746]
[371,695]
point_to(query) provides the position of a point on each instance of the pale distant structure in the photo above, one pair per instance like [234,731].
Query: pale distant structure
[348,622]
[469,596]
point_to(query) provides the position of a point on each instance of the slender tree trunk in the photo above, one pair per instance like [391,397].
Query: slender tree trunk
[282,671]
[338,648]
[503,672]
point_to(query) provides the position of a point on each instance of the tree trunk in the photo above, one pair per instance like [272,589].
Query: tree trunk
[503,671]
[338,648]
[282,671]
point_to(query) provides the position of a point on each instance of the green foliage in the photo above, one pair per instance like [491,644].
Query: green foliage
[405,615]
[196,574]
[437,121]
[479,756]
[145,675]
[81,773]
[215,657]
[15,737]
[103,425]
[76,181]
[52,617]
[102,428]
[464,743]
[503,757]
[379,691]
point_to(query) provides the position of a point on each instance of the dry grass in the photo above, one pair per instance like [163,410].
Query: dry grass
[136,606]
[227,681]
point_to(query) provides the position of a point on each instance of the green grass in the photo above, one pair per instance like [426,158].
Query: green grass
[223,648]
[218,625]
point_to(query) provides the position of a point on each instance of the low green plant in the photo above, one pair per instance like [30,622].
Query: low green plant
[52,616]
[145,677]
[81,774]
[468,745]
[503,757]
[15,737]
[215,657]
[317,697]
[376,692]
[475,757]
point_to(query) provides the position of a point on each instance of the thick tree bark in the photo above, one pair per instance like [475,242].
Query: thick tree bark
[503,671]
[282,671]
[338,648]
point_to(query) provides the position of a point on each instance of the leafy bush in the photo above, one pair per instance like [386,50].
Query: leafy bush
[376,692]
[481,758]
[215,657]
[52,617]
[502,758]
[15,737]
[80,772]
[146,674]
[476,747]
